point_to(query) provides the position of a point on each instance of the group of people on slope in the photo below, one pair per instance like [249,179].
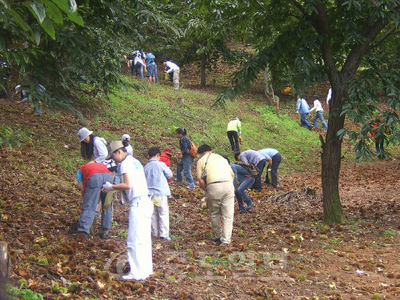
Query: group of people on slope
[303,109]
[146,189]
[142,61]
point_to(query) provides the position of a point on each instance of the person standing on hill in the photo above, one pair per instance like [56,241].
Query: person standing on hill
[319,113]
[172,67]
[91,177]
[157,173]
[234,130]
[253,157]
[92,146]
[185,163]
[126,139]
[216,179]
[134,190]
[274,159]
[138,64]
[151,67]
[303,109]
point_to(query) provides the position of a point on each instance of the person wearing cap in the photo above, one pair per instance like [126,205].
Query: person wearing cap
[157,174]
[126,140]
[216,179]
[134,190]
[91,177]
[92,146]
[319,113]
[234,130]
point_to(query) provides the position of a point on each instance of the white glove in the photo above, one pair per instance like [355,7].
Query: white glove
[269,170]
[239,133]
[108,186]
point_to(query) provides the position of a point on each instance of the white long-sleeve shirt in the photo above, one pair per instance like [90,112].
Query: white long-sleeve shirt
[172,66]
[317,106]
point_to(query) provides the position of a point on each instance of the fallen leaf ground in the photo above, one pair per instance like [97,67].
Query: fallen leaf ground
[280,249]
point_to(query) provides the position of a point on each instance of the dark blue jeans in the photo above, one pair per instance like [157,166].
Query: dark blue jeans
[257,182]
[320,115]
[304,121]
[241,194]
[276,160]
[185,166]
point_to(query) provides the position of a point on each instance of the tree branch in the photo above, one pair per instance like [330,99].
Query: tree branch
[383,38]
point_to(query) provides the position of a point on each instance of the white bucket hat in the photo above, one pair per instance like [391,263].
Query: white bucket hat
[83,133]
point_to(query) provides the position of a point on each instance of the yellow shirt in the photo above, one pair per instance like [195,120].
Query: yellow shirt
[217,168]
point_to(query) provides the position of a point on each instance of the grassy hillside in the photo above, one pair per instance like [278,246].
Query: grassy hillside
[151,116]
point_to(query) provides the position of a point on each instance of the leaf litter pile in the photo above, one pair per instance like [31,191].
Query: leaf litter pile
[280,249]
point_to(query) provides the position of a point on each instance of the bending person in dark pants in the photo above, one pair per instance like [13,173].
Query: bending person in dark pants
[91,178]
[253,157]
[274,159]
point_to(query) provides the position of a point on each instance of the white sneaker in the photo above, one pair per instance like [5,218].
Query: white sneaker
[128,277]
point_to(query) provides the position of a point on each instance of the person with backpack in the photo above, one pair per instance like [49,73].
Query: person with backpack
[185,163]
[234,130]
[216,179]
[92,146]
[255,158]
[157,173]
[274,159]
[138,64]
[303,110]
[172,67]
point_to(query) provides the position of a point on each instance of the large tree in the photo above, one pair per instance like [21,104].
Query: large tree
[316,40]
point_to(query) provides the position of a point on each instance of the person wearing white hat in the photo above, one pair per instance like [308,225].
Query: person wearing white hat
[126,139]
[134,190]
[92,145]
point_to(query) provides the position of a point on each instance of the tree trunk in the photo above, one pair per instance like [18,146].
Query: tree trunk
[331,157]
[203,69]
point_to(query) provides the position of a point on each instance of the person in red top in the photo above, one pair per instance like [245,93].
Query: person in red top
[165,157]
[91,177]
[378,137]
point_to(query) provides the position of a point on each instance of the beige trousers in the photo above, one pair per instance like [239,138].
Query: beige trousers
[221,203]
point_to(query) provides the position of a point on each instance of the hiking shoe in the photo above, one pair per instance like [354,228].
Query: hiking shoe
[241,211]
[190,187]
[104,235]
[249,207]
[167,238]
[216,240]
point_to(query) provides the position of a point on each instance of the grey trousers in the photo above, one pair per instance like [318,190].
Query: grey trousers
[90,200]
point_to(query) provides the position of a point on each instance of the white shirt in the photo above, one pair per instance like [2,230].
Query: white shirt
[134,169]
[172,66]
[129,149]
[100,151]
[317,106]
